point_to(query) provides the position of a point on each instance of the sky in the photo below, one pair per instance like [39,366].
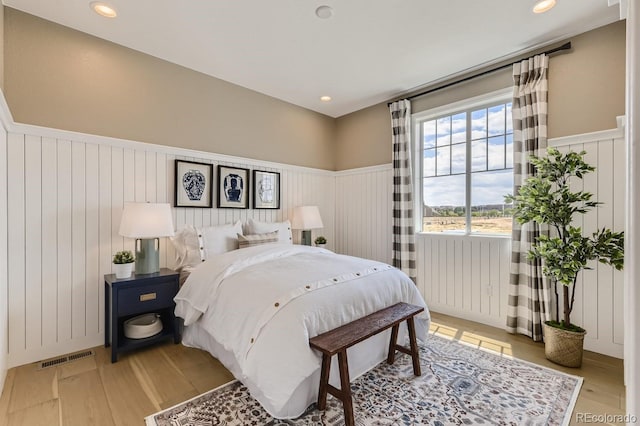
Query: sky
[445,156]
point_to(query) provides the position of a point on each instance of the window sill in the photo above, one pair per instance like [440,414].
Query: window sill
[464,234]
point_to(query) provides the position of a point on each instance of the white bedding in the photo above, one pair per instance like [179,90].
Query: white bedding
[256,308]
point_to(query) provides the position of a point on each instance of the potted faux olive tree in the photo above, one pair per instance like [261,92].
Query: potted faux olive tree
[123,264]
[547,198]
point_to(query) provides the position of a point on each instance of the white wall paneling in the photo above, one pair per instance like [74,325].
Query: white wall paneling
[464,276]
[4,304]
[363,212]
[599,304]
[63,200]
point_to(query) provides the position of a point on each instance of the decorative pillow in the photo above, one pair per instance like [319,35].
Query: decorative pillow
[283,228]
[187,247]
[195,245]
[257,239]
[218,239]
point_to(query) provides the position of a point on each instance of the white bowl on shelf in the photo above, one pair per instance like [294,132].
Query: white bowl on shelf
[142,326]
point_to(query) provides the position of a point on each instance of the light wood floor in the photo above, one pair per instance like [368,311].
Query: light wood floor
[93,391]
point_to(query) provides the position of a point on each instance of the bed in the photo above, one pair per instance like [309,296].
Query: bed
[255,308]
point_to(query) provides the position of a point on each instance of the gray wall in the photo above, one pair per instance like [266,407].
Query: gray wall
[62,78]
[586,93]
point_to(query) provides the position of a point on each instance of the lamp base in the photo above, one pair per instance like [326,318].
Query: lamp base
[147,256]
[306,238]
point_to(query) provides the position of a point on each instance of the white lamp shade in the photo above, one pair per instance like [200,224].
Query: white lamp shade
[306,217]
[146,220]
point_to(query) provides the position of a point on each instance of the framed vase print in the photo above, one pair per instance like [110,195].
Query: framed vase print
[194,184]
[233,187]
[266,190]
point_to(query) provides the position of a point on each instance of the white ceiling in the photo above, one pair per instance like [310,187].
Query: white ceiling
[368,52]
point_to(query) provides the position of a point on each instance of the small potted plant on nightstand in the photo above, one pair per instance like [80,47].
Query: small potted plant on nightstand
[123,264]
[320,241]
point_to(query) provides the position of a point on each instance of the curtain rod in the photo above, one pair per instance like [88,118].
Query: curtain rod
[565,46]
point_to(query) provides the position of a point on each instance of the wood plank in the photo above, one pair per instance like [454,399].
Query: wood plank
[587,285]
[78,240]
[16,260]
[33,240]
[128,404]
[49,241]
[476,282]
[494,278]
[79,407]
[32,387]
[154,370]
[458,281]
[104,233]
[618,205]
[206,375]
[117,198]
[451,266]
[93,279]
[467,279]
[605,188]
[65,254]
[7,390]
[43,414]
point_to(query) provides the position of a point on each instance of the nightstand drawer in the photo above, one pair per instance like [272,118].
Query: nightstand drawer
[146,298]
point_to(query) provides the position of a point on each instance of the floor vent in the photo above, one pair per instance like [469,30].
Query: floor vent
[64,359]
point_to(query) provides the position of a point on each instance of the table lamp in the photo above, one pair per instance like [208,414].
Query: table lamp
[147,222]
[306,218]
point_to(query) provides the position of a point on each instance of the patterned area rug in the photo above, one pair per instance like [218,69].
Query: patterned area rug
[459,385]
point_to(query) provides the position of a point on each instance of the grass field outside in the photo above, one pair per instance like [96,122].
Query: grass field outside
[484,225]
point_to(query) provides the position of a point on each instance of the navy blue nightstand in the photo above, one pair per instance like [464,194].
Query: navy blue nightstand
[128,297]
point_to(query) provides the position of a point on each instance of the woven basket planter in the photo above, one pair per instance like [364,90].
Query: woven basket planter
[562,346]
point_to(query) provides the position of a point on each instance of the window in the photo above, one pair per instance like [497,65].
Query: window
[467,166]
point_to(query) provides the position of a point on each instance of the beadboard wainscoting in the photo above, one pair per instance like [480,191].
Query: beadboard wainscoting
[65,197]
[4,302]
[363,212]
[465,276]
[599,304]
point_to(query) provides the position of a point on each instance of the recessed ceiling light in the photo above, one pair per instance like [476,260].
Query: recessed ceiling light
[103,9]
[542,6]
[324,12]
[325,98]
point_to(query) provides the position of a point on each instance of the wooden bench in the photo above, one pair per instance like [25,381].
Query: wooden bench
[339,339]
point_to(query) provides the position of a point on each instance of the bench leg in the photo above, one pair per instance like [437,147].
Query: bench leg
[414,347]
[324,382]
[391,357]
[345,387]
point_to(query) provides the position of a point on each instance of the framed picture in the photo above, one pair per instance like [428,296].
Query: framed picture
[194,184]
[233,187]
[266,190]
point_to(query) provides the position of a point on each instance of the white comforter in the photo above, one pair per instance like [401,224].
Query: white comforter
[263,303]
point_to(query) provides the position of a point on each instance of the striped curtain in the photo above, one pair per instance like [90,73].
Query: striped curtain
[529,292]
[404,247]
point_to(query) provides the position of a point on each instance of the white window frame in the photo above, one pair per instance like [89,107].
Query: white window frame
[503,95]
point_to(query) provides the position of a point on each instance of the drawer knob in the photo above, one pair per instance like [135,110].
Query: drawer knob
[148,296]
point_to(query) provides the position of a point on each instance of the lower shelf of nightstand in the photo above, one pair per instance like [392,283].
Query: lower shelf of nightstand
[126,344]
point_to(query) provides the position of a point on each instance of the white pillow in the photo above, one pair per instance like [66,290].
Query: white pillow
[195,245]
[187,247]
[283,228]
[219,239]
